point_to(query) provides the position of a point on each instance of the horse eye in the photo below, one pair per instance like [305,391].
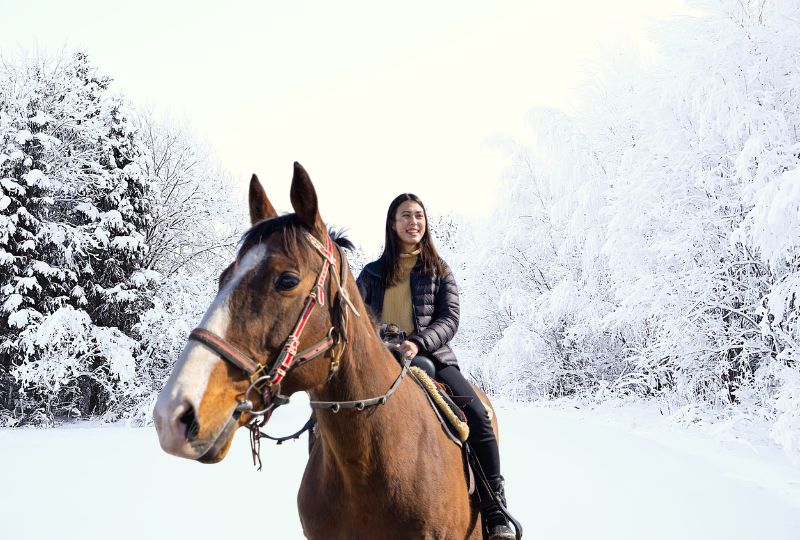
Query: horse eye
[286,282]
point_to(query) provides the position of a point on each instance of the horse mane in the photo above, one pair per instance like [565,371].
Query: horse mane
[291,231]
[339,237]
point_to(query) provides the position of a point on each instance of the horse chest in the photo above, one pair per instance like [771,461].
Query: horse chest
[387,503]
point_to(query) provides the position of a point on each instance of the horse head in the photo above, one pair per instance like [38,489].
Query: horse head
[243,358]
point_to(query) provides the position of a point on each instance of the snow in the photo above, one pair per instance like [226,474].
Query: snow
[573,474]
[23,136]
[35,177]
[44,269]
[89,210]
[112,218]
[102,236]
[26,284]
[40,118]
[117,347]
[12,187]
[21,318]
[126,243]
[77,292]
[13,301]
[775,219]
[48,141]
[786,431]
[121,295]
[5,257]
[142,278]
[64,324]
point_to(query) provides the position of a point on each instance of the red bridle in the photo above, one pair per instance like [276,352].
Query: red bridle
[269,385]
[289,358]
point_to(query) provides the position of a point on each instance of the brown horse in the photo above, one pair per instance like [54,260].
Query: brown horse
[375,472]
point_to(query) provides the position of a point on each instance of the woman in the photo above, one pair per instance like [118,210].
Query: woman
[412,287]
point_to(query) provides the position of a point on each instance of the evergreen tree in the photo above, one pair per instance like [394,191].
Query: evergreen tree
[74,204]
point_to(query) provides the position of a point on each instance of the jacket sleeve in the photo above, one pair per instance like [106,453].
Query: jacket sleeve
[444,323]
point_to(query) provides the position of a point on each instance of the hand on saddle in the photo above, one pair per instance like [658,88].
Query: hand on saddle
[409,349]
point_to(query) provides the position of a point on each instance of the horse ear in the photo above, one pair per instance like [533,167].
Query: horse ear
[260,207]
[304,199]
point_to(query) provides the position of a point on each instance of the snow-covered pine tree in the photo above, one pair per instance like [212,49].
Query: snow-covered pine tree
[73,209]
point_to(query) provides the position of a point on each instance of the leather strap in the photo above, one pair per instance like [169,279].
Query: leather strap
[236,357]
[226,350]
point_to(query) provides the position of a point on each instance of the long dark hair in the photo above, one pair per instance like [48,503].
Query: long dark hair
[432,263]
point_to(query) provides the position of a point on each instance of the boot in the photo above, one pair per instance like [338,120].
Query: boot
[497,523]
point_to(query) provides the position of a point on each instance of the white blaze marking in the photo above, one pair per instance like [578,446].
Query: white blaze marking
[192,370]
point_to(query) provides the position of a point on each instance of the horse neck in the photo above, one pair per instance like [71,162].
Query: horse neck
[367,370]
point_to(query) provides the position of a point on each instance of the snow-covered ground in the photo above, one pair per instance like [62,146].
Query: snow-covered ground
[573,474]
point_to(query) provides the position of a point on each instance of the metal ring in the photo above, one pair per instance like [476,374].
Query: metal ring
[360,406]
[331,331]
[253,386]
[335,408]
[254,383]
[263,411]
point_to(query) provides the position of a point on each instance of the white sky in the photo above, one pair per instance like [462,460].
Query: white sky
[373,98]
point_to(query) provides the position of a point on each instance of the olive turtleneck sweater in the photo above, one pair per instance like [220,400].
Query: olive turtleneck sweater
[397,307]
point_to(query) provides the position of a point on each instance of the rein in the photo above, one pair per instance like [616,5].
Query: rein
[361,404]
[267,380]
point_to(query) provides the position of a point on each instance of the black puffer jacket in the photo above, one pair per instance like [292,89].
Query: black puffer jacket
[435,302]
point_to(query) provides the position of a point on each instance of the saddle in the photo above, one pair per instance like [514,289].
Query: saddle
[446,405]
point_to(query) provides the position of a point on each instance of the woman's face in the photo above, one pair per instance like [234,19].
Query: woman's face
[409,224]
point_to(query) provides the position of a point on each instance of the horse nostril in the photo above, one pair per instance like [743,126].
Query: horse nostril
[189,419]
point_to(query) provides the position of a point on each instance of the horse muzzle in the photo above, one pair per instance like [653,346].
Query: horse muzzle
[177,427]
[182,433]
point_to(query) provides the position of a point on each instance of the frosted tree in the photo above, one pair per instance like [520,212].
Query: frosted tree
[542,271]
[73,209]
[192,236]
[701,229]
[356,259]
[196,222]
[650,243]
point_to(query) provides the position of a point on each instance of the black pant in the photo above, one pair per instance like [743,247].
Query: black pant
[481,436]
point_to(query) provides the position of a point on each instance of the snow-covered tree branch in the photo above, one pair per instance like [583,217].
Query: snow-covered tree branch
[649,244]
